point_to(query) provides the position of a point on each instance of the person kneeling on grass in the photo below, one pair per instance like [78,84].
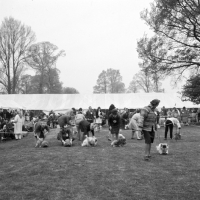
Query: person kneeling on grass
[87,127]
[114,124]
[169,124]
[40,132]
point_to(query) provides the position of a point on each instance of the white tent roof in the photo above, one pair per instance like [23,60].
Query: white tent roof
[6,104]
[66,101]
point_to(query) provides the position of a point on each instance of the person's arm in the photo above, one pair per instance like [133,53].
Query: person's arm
[143,115]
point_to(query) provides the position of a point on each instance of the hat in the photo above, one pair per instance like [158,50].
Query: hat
[155,102]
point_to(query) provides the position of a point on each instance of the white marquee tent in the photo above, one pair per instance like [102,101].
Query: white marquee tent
[58,102]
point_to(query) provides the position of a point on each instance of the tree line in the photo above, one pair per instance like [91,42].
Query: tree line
[174,49]
[19,52]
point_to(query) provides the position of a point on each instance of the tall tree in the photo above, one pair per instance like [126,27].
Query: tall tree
[15,39]
[42,57]
[133,86]
[102,83]
[109,81]
[176,22]
[191,90]
[143,79]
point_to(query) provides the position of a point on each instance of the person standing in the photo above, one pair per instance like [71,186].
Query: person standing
[18,122]
[99,116]
[148,124]
[90,115]
[109,113]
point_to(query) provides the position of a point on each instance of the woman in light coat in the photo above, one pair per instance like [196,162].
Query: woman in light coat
[18,122]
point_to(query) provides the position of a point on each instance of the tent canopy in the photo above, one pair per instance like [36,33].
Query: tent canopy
[7,104]
[59,102]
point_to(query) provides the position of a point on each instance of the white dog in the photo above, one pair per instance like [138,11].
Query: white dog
[89,141]
[67,143]
[163,148]
[120,142]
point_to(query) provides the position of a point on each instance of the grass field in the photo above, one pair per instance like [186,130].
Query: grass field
[102,172]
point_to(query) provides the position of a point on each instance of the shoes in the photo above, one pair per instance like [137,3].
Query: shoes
[139,138]
[109,139]
[132,138]
[149,156]
[146,158]
[165,138]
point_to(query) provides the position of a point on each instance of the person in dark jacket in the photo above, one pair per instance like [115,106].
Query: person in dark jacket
[90,115]
[109,113]
[124,118]
[114,124]
[64,132]
[87,127]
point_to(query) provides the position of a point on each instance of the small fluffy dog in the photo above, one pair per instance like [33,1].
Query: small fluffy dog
[39,142]
[89,141]
[120,142]
[177,136]
[67,143]
[163,148]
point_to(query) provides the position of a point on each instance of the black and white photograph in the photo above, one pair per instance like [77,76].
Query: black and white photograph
[99,99]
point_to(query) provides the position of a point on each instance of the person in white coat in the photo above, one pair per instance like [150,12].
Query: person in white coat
[134,125]
[18,122]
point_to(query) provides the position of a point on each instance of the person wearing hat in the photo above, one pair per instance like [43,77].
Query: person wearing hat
[114,124]
[148,125]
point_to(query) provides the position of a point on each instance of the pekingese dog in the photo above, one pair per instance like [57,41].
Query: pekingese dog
[163,148]
[120,142]
[89,141]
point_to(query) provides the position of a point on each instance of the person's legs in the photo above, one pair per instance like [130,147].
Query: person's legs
[133,133]
[20,136]
[171,130]
[16,136]
[166,131]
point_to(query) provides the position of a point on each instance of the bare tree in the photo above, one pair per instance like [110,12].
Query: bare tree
[15,39]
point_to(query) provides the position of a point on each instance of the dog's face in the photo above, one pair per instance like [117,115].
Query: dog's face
[92,141]
[163,148]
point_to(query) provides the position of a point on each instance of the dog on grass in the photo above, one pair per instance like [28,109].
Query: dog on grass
[120,142]
[89,141]
[163,148]
[67,143]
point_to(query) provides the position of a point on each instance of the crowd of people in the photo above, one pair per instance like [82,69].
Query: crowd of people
[76,123]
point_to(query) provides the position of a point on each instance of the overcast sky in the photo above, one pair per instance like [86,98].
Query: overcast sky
[95,34]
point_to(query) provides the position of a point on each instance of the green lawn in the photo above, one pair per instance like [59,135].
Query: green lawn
[102,172]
